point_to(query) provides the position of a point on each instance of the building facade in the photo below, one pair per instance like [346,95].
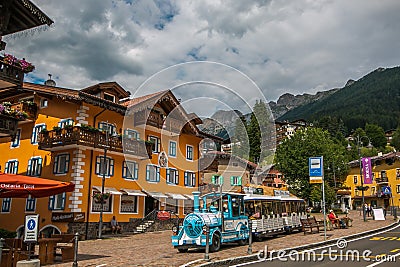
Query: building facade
[141,153]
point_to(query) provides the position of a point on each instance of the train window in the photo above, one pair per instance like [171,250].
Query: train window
[235,206]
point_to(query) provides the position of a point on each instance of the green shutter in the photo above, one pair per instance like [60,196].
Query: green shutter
[232,180]
[240,180]
[213,179]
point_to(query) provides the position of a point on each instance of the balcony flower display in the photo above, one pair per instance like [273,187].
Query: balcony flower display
[21,63]
[6,109]
[99,197]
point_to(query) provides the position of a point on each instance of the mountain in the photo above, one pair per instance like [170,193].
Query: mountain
[221,123]
[288,101]
[375,98]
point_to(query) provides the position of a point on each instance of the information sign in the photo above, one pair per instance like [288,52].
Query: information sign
[31,228]
[316,169]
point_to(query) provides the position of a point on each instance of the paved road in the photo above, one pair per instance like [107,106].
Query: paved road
[380,249]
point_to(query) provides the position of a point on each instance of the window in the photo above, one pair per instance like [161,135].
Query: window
[187,206]
[34,167]
[373,191]
[152,173]
[97,205]
[44,103]
[190,179]
[63,123]
[107,168]
[172,149]
[130,170]
[155,147]
[17,139]
[398,189]
[109,97]
[129,204]
[235,164]
[35,133]
[217,179]
[11,166]
[131,134]
[57,202]
[30,204]
[356,192]
[172,205]
[6,205]
[172,176]
[107,127]
[61,164]
[236,180]
[355,179]
[189,152]
[397,173]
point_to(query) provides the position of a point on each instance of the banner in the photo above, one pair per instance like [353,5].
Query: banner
[367,170]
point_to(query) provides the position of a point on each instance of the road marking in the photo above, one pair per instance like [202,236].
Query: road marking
[383,238]
[395,250]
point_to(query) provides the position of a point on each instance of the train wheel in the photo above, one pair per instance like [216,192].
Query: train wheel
[216,243]
[182,250]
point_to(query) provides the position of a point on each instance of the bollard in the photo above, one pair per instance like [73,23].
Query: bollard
[250,248]
[207,230]
[1,247]
[76,239]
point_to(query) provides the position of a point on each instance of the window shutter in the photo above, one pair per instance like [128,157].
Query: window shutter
[29,169]
[168,176]
[16,167]
[232,180]
[186,178]
[148,172]
[135,176]
[55,166]
[111,171]
[124,170]
[39,172]
[158,173]
[6,168]
[51,202]
[240,180]
[221,180]
[63,201]
[213,179]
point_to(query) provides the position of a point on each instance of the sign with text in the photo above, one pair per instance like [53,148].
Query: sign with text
[31,228]
[68,217]
[367,170]
[316,169]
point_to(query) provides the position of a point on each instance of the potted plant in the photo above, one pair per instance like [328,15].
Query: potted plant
[101,198]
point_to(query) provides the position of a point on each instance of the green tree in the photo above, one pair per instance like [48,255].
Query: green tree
[330,195]
[293,154]
[396,139]
[240,139]
[377,135]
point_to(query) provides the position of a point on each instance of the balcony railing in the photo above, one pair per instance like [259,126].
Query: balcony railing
[53,140]
[8,125]
[30,108]
[157,120]
[10,75]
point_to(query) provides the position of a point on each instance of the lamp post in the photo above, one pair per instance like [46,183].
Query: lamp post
[358,140]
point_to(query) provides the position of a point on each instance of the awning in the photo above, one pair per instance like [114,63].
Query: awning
[110,190]
[157,194]
[132,192]
[191,197]
[177,196]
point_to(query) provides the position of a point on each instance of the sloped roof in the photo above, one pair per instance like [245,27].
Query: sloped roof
[114,86]
[140,99]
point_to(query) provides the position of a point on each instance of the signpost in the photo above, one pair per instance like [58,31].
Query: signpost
[316,173]
[31,230]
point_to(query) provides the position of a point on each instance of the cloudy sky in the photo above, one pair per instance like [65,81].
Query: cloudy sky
[278,46]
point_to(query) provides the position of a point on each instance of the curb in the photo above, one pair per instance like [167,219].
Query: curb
[255,257]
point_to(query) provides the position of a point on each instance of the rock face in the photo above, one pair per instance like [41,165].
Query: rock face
[221,123]
[288,101]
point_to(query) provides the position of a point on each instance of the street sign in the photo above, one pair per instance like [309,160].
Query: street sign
[31,228]
[316,169]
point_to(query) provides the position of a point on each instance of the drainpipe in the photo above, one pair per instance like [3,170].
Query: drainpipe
[90,180]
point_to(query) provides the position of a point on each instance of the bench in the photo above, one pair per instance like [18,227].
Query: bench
[65,247]
[309,224]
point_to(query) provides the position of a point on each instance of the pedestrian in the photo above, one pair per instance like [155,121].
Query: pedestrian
[115,227]
[369,210]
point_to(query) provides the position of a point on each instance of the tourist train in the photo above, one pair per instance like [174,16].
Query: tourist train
[227,217]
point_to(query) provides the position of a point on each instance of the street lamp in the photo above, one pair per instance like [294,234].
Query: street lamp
[103,179]
[359,144]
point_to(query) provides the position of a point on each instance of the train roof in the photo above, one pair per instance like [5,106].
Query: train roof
[265,197]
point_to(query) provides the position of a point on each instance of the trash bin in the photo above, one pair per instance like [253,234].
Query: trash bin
[29,263]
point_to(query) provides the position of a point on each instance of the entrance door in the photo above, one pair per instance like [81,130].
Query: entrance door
[150,204]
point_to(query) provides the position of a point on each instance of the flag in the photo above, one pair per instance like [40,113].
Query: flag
[367,170]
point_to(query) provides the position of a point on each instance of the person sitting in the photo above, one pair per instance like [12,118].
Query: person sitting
[115,227]
[334,219]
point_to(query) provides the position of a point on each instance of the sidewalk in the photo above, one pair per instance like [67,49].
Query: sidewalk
[155,249]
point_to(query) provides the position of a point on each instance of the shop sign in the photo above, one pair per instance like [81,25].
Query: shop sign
[68,217]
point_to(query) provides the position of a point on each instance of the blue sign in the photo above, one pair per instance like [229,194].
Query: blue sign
[386,190]
[31,224]
[316,167]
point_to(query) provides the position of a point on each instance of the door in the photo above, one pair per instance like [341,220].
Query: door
[150,204]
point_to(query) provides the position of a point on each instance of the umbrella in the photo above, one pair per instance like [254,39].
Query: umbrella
[21,186]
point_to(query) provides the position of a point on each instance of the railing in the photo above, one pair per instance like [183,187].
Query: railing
[149,217]
[11,74]
[85,137]
[152,118]
[29,108]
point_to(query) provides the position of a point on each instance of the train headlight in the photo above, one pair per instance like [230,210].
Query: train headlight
[175,230]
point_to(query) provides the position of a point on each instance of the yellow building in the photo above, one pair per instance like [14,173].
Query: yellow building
[385,189]
[66,139]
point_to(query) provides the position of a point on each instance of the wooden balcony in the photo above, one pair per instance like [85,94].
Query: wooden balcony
[8,126]
[10,76]
[56,140]
[152,118]
[30,108]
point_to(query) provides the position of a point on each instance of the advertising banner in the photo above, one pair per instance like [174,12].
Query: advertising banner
[367,170]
